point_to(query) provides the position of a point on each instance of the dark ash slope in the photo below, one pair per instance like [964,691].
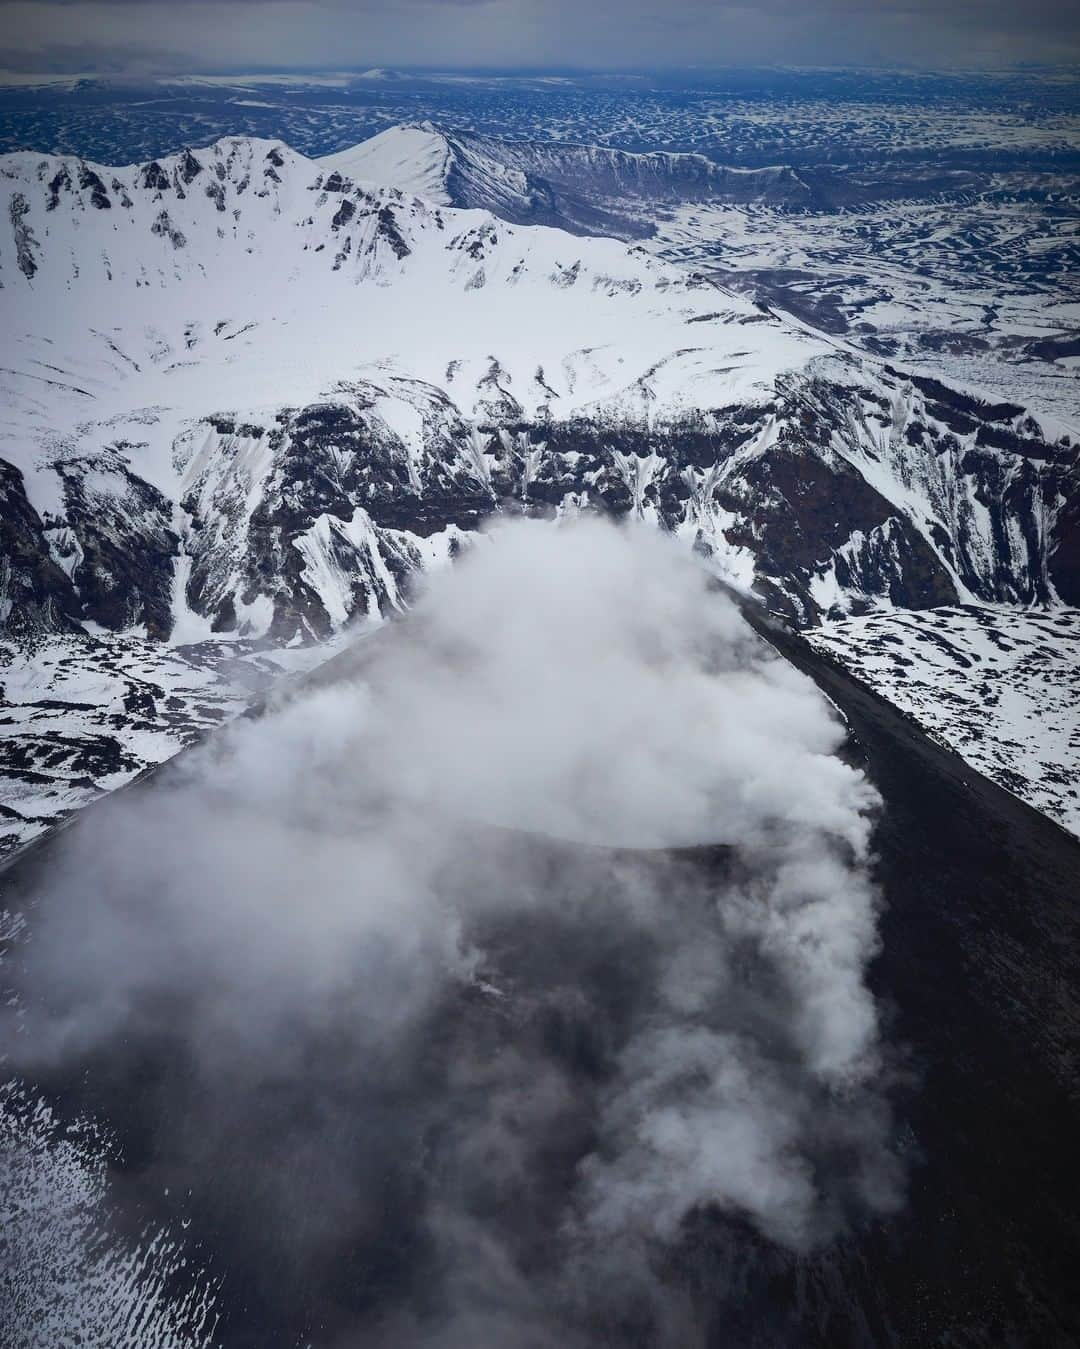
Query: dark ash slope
[977,971]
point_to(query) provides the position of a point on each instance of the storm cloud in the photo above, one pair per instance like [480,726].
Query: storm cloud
[137,36]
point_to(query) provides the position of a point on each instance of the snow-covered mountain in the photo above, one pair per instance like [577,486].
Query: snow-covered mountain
[586,189]
[247,395]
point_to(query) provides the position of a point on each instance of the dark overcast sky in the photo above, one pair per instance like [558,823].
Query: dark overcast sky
[143,35]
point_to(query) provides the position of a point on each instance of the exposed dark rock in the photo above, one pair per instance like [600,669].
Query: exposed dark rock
[154,177]
[343,214]
[36,595]
[784,477]
[60,181]
[124,530]
[164,227]
[25,243]
[779,485]
[388,230]
[188,168]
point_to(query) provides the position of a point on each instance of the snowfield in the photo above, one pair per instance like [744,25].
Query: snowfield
[83,714]
[1001,687]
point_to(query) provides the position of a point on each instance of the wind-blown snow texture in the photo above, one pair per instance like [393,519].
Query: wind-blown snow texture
[69,1275]
[249,396]
[84,713]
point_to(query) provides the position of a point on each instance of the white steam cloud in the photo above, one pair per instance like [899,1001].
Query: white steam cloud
[509,1068]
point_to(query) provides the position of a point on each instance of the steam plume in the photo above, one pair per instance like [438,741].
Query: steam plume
[446,1044]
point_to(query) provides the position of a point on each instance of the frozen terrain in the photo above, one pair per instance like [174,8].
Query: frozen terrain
[245,392]
[82,714]
[786,1039]
[249,397]
[1001,687]
[932,219]
[587,189]
[908,124]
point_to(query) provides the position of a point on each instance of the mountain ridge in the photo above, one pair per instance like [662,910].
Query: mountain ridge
[200,415]
[585,189]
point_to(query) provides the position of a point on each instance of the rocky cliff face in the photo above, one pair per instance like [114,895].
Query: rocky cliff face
[249,395]
[800,499]
[35,586]
[833,499]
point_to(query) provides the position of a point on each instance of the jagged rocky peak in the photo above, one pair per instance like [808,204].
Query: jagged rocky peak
[587,189]
[240,202]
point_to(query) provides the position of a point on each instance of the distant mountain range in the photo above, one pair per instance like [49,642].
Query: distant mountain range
[585,189]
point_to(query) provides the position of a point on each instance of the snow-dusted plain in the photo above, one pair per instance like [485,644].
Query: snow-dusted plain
[841,118]
[999,686]
[980,291]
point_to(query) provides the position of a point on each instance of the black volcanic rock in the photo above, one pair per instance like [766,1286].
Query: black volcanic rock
[91,181]
[154,177]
